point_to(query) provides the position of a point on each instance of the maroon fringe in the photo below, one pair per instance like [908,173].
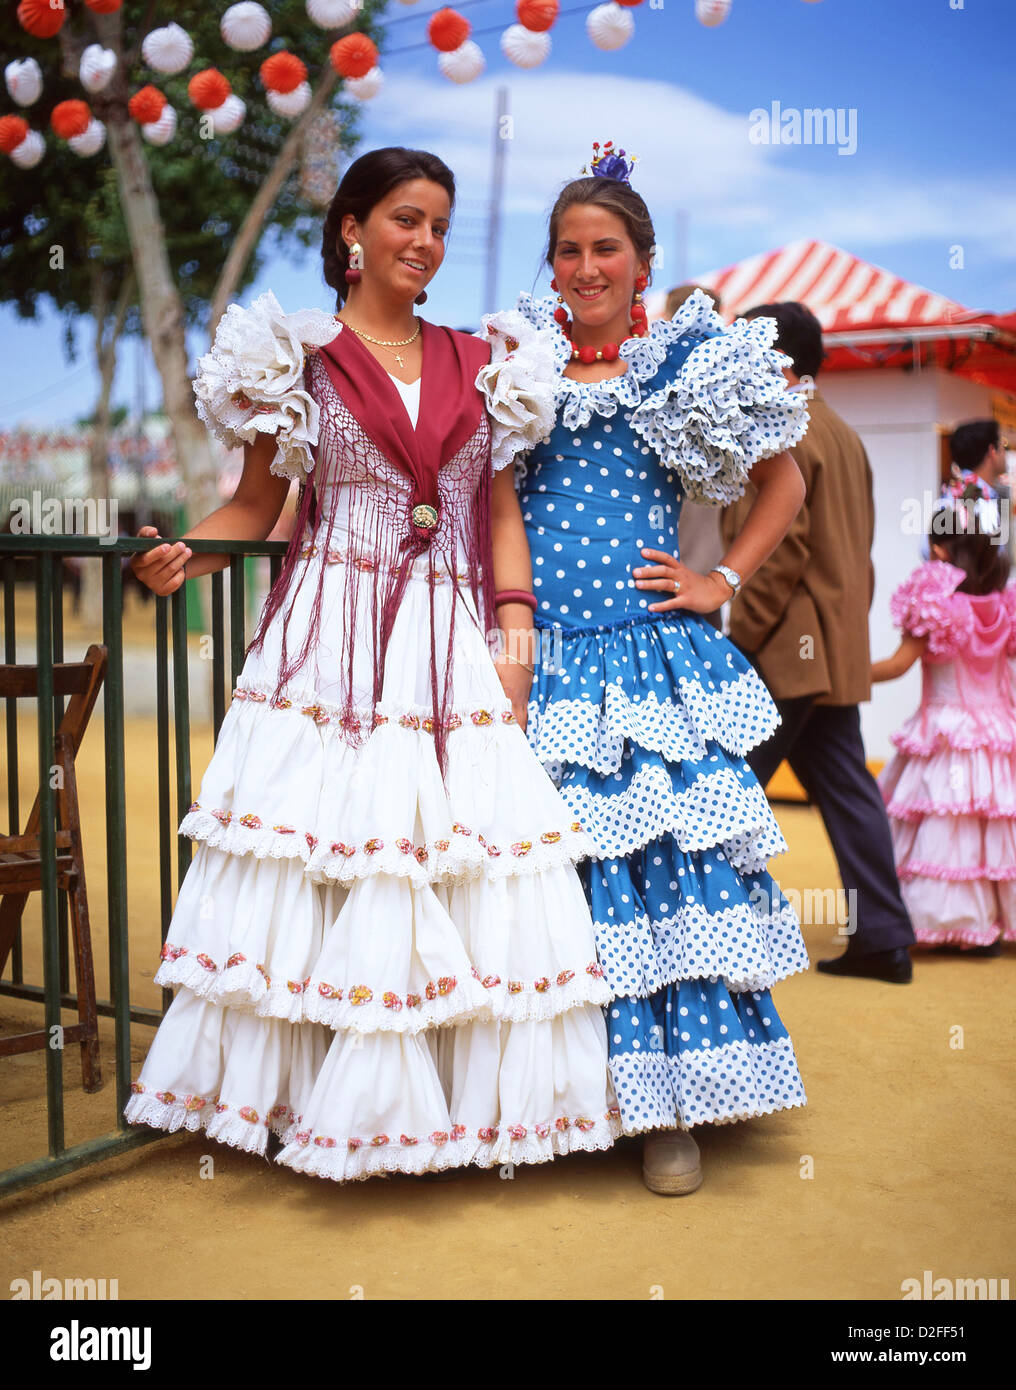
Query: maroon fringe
[375,505]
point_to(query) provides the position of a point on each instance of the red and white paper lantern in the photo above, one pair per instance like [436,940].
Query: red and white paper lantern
[91,142]
[526,48]
[246,26]
[97,67]
[30,151]
[366,87]
[332,14]
[711,12]
[290,104]
[462,64]
[609,26]
[160,132]
[24,80]
[168,49]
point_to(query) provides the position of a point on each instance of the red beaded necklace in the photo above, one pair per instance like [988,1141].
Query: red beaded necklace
[609,352]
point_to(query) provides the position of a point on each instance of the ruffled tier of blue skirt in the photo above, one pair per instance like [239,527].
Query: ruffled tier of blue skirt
[644,725]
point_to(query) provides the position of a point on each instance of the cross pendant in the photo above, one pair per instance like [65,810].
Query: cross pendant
[398,358]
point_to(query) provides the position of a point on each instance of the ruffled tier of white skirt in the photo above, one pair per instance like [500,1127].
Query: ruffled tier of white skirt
[391,970]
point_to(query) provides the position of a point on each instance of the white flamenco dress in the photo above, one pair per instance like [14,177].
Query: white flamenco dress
[390,969]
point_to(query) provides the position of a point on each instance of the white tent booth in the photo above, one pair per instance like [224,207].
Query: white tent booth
[904,367]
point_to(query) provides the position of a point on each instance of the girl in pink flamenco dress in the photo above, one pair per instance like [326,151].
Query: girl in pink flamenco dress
[950,789]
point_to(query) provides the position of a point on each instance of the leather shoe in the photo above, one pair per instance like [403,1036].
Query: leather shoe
[892,966]
[670,1163]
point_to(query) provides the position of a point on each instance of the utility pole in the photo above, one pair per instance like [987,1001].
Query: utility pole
[502,134]
[680,275]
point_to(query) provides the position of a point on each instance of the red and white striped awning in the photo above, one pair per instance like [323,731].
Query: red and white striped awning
[841,290]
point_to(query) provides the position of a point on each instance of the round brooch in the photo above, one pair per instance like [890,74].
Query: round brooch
[425,515]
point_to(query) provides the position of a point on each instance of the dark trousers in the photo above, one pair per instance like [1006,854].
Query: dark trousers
[823,745]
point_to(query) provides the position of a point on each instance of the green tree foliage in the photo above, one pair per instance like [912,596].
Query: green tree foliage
[203,187]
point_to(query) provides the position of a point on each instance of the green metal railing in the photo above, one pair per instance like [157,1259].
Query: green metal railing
[46,554]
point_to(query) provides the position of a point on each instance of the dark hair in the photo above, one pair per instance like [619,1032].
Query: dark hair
[969,443]
[971,546]
[365,183]
[799,336]
[618,198]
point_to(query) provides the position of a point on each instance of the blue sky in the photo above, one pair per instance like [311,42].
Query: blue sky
[929,80]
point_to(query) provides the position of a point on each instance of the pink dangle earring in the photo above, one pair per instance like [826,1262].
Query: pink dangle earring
[355,264]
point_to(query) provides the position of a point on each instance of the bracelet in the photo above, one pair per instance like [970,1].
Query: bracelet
[515,596]
[507,656]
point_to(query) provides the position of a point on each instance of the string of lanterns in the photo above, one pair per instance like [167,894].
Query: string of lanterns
[246,27]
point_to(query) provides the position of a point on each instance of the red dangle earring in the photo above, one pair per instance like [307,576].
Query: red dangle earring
[560,313]
[639,320]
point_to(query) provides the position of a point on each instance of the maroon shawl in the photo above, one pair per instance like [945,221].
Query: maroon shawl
[451,409]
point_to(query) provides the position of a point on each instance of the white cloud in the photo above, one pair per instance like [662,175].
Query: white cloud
[693,156]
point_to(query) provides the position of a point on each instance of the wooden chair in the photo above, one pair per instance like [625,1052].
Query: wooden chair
[21,855]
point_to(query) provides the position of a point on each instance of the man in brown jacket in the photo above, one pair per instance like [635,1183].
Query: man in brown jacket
[802,619]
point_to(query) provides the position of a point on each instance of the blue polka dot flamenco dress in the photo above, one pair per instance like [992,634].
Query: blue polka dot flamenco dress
[643,719]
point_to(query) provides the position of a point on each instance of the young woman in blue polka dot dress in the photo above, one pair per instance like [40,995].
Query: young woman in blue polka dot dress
[641,711]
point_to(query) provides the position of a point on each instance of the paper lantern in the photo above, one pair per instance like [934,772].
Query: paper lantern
[609,26]
[30,151]
[537,15]
[40,21]
[245,26]
[353,56]
[526,48]
[290,104]
[208,89]
[711,12]
[283,72]
[13,130]
[229,116]
[160,132]
[146,105]
[97,67]
[24,80]
[464,63]
[448,30]
[70,118]
[363,88]
[332,14]
[91,142]
[168,49]
[103,6]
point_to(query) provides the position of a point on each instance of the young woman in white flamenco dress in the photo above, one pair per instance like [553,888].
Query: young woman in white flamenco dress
[382,951]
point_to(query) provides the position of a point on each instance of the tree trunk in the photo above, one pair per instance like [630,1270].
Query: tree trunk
[161,308]
[250,229]
[107,335]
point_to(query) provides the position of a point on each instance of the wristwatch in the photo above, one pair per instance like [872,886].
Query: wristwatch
[731,576]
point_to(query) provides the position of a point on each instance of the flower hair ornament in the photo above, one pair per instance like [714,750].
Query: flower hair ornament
[970,500]
[609,163]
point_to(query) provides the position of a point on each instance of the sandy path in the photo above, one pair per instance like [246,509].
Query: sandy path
[910,1142]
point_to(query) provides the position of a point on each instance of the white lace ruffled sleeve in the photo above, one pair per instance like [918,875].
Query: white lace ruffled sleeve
[725,407]
[251,381]
[518,385]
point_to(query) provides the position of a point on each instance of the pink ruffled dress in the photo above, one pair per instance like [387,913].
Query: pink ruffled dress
[950,789]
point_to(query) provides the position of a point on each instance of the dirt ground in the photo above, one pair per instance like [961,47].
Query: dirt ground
[899,1163]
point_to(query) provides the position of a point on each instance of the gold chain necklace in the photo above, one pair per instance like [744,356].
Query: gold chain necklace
[379,342]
